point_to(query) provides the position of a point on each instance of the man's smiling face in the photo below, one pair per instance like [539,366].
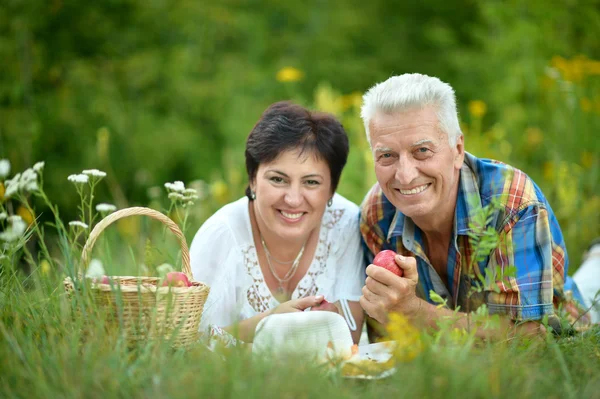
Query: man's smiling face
[415,165]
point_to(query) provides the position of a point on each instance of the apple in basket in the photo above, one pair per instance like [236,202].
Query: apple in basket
[386,260]
[102,280]
[176,279]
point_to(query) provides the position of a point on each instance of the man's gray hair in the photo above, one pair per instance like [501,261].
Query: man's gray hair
[410,91]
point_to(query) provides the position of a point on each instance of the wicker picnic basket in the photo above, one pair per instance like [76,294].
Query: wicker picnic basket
[144,310]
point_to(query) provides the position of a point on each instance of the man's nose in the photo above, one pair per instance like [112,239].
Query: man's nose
[406,171]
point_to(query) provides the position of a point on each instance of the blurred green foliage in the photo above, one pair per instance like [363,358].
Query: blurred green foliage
[155,91]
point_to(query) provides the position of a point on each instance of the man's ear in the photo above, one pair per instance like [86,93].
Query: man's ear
[459,147]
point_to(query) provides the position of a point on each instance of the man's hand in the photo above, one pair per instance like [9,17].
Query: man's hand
[384,292]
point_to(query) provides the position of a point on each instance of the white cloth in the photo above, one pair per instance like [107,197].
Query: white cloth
[223,256]
[587,278]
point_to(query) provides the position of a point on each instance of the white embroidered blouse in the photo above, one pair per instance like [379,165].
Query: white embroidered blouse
[223,256]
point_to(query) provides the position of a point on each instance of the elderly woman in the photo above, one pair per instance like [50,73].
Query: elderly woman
[291,242]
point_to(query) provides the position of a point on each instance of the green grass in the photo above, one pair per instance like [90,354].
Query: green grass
[47,352]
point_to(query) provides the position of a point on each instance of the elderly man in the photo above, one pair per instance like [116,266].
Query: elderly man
[428,194]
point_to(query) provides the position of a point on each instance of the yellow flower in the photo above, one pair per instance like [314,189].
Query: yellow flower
[103,136]
[25,214]
[219,191]
[353,99]
[586,104]
[549,171]
[407,337]
[477,108]
[534,136]
[587,159]
[45,267]
[289,74]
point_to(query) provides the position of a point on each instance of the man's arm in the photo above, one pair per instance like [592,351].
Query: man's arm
[385,292]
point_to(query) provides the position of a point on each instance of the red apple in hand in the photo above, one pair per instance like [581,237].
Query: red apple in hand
[386,260]
[176,279]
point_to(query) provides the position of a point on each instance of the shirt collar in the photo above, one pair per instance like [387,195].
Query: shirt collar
[468,204]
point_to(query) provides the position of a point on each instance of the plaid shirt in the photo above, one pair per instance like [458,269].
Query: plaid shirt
[529,239]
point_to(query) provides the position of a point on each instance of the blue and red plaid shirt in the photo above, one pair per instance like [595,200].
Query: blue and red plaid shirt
[530,239]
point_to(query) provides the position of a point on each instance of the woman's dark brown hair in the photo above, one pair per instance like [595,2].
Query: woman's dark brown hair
[286,126]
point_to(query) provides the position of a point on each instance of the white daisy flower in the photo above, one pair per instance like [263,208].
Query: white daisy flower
[12,186]
[190,198]
[4,168]
[95,269]
[16,229]
[189,191]
[176,196]
[77,223]
[94,172]
[14,218]
[78,179]
[38,166]
[176,186]
[106,207]
[201,188]
[19,226]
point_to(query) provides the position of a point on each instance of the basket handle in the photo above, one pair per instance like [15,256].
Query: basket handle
[139,211]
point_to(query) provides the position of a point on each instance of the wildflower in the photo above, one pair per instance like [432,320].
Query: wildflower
[176,196]
[77,223]
[45,266]
[106,207]
[16,229]
[407,337]
[289,74]
[4,168]
[534,136]
[12,185]
[219,191]
[94,173]
[25,214]
[78,179]
[586,104]
[201,188]
[102,142]
[477,108]
[28,181]
[188,191]
[177,186]
[95,269]
[190,198]
[38,167]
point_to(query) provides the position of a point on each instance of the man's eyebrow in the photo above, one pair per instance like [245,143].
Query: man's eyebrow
[383,149]
[421,142]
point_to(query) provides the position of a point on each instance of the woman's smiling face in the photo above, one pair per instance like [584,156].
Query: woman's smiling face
[291,194]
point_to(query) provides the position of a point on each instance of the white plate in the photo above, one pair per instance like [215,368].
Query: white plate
[380,352]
